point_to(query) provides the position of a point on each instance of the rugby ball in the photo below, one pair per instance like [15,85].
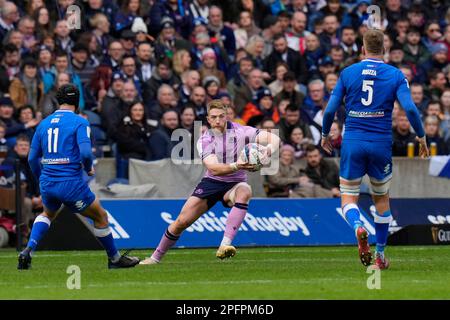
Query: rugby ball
[255,154]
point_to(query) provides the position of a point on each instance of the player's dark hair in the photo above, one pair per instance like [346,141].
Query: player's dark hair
[68,94]
[374,41]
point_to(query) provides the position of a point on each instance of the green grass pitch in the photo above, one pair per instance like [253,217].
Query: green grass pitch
[254,273]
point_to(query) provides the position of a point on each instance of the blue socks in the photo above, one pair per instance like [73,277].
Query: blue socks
[105,237]
[352,214]
[40,227]
[382,227]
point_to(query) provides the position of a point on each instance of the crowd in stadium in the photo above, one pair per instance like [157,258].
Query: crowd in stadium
[147,67]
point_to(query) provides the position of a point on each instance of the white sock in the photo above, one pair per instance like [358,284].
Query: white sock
[225,241]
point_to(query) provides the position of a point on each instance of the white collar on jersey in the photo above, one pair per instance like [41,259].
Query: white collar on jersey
[63,110]
[374,60]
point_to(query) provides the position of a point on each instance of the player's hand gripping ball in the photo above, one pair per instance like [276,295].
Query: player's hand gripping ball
[255,154]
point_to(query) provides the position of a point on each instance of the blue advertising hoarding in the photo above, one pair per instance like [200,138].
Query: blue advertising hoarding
[274,222]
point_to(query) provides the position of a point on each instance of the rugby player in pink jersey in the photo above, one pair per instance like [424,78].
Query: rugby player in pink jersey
[225,179]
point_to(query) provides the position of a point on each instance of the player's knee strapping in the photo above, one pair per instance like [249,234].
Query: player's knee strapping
[352,214]
[351,188]
[380,187]
[40,227]
[106,239]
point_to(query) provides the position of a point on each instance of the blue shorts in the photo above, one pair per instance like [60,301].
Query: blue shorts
[74,194]
[373,158]
[213,191]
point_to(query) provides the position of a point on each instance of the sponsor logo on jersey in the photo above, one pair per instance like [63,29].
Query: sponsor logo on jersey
[55,120]
[366,114]
[369,72]
[55,161]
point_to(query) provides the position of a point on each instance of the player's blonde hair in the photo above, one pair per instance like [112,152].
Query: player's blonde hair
[216,104]
[374,41]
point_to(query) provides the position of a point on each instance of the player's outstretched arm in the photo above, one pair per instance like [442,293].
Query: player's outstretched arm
[220,169]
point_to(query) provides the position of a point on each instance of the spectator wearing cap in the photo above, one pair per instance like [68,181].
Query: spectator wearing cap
[209,67]
[101,28]
[199,9]
[27,87]
[272,26]
[290,91]
[262,107]
[415,52]
[124,18]
[296,36]
[203,41]
[44,61]
[282,53]
[13,127]
[246,29]
[61,64]
[168,41]
[326,66]
[438,60]
[62,36]
[9,15]
[162,74]
[199,25]
[141,31]
[144,61]
[177,11]
[82,65]
[221,34]
[127,38]
[50,103]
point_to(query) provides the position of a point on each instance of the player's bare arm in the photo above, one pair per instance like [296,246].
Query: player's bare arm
[221,169]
